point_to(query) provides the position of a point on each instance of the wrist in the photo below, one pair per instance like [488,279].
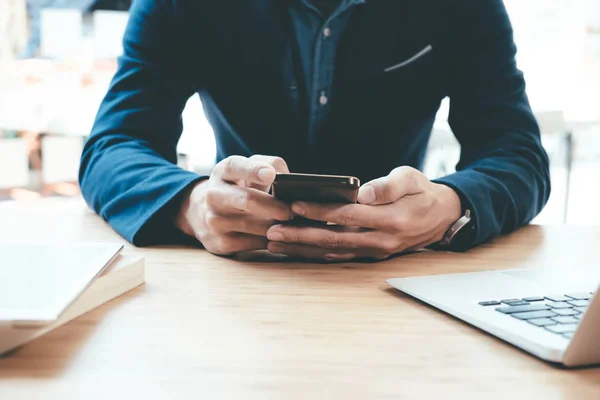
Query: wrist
[459,229]
[191,196]
[449,204]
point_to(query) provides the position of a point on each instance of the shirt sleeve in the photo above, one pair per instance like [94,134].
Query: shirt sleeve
[503,173]
[129,173]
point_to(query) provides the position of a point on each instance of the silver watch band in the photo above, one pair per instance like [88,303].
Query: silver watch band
[455,228]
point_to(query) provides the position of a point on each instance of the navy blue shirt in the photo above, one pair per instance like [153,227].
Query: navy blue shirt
[383,80]
[318,35]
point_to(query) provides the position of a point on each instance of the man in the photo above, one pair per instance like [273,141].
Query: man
[346,87]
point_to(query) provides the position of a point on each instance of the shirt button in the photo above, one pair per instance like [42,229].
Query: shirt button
[326,32]
[323,100]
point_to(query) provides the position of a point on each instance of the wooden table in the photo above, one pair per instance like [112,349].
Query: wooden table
[207,327]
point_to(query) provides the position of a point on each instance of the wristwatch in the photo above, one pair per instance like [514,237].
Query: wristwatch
[462,225]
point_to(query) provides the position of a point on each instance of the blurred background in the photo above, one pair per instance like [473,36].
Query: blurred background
[57,58]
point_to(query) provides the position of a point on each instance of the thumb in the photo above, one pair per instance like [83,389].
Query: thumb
[237,168]
[402,181]
[277,163]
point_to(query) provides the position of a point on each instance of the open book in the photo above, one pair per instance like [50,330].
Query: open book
[124,274]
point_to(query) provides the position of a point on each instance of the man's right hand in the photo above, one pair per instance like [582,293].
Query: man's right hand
[232,210]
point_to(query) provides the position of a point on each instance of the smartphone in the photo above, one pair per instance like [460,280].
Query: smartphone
[316,188]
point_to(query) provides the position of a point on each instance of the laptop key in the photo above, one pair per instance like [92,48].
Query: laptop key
[580,309]
[541,321]
[527,308]
[579,303]
[565,311]
[579,296]
[489,303]
[578,316]
[558,298]
[559,304]
[562,328]
[507,301]
[535,298]
[517,303]
[565,320]
[533,315]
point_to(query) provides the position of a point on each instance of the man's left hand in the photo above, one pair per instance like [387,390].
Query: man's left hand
[401,212]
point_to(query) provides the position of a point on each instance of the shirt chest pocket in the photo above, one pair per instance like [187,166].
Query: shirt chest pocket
[418,74]
[403,82]
[407,75]
[413,59]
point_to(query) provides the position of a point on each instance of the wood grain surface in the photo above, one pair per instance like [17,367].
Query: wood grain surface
[260,327]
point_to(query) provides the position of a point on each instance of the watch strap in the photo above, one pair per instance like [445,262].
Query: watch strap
[457,227]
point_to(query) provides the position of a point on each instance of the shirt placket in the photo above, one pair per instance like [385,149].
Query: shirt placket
[322,72]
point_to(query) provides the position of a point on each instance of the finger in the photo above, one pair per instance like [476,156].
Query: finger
[344,214]
[309,252]
[421,243]
[402,181]
[329,237]
[418,246]
[239,224]
[237,168]
[277,163]
[229,199]
[234,243]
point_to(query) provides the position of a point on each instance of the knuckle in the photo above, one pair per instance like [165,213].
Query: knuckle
[213,222]
[406,170]
[219,245]
[231,164]
[241,200]
[330,240]
[278,163]
[291,236]
[347,217]
[259,228]
[225,165]
[281,212]
[399,222]
[212,197]
[406,173]
[388,246]
[242,225]
[384,190]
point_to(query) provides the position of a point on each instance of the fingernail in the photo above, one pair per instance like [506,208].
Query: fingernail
[366,195]
[298,209]
[276,248]
[265,175]
[275,236]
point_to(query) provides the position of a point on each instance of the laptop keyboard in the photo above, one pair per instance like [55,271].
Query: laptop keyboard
[559,314]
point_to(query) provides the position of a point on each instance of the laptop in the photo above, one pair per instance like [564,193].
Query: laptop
[38,282]
[551,314]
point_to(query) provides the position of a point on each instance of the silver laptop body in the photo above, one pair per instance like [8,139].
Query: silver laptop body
[552,314]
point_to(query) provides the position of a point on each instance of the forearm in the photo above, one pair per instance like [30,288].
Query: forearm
[505,187]
[136,190]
